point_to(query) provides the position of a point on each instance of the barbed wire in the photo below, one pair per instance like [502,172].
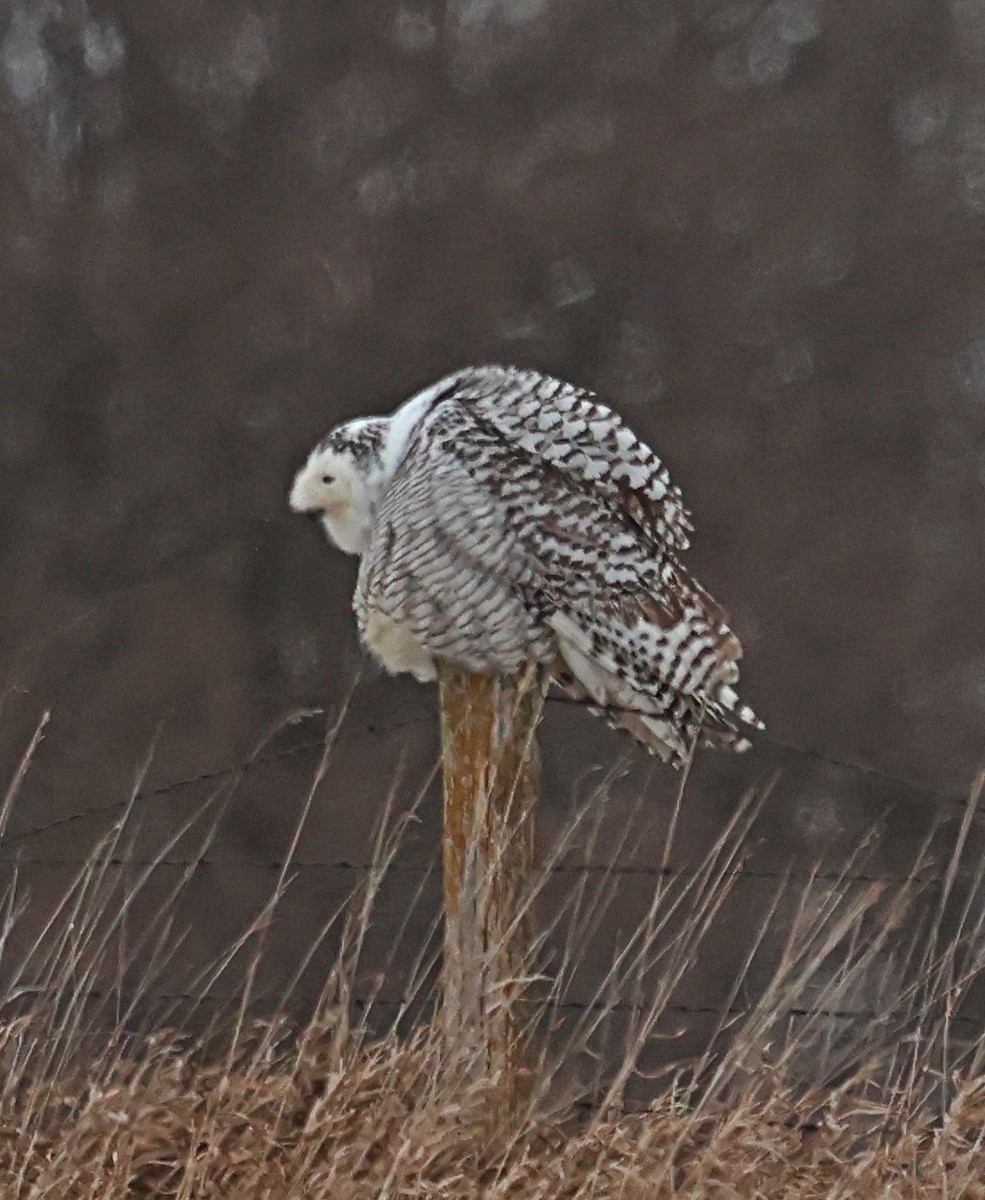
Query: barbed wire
[364,1003]
[218,775]
[374,729]
[204,862]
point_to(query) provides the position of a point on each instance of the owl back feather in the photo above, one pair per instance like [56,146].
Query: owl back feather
[567,428]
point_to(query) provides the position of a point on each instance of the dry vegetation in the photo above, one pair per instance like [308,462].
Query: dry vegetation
[92,1104]
[314,1120]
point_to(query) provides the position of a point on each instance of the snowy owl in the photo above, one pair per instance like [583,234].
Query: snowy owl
[504,518]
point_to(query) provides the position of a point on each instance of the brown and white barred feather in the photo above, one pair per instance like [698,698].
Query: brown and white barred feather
[566,427]
[526,523]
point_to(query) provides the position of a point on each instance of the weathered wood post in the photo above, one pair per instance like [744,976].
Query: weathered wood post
[490,768]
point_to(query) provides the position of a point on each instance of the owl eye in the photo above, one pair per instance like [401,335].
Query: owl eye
[328,479]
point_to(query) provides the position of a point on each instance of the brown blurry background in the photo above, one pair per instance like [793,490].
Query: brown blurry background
[757,229]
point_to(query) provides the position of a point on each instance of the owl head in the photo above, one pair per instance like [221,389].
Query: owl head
[339,485]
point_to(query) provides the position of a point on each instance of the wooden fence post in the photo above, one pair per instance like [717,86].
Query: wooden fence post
[491,774]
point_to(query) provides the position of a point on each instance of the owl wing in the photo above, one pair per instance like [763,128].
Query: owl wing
[569,429]
[637,633]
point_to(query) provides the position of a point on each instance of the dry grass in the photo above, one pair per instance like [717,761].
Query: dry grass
[308,1122]
[94,1105]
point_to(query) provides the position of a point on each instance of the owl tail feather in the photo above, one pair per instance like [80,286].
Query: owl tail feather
[671,729]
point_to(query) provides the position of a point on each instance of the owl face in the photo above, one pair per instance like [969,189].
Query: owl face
[338,485]
[324,485]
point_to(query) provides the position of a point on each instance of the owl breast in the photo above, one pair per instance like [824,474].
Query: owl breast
[395,645]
